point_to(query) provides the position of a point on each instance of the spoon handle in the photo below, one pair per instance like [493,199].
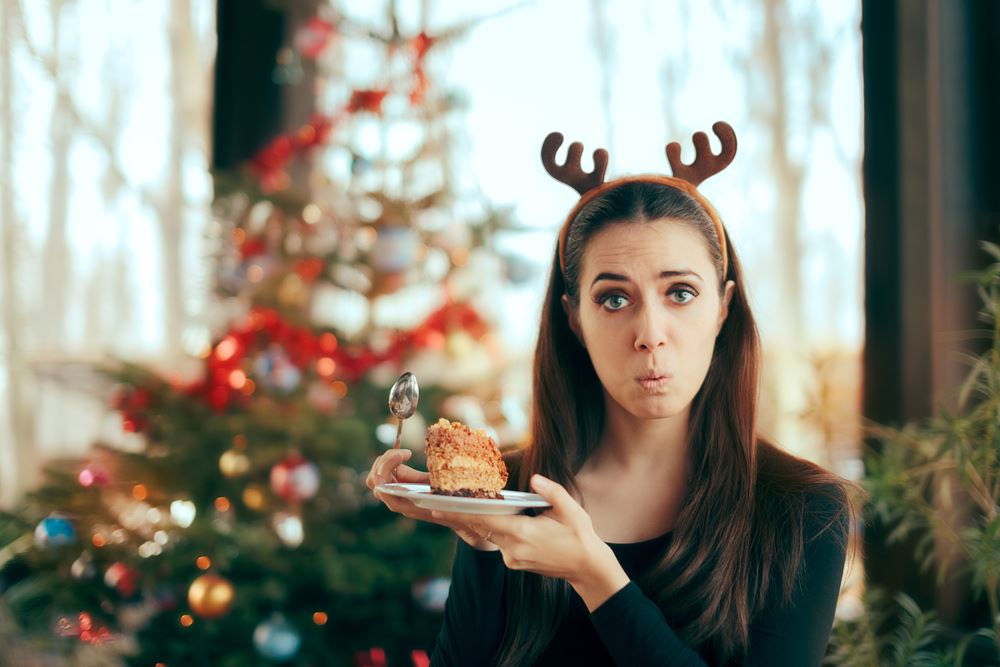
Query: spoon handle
[399,432]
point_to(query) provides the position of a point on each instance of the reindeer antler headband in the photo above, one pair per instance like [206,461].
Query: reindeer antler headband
[685,177]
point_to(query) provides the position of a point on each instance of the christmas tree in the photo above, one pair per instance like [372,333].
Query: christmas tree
[235,528]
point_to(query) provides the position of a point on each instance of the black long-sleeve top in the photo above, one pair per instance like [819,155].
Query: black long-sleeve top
[629,629]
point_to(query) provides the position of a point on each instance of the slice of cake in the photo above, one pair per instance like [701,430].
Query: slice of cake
[464,462]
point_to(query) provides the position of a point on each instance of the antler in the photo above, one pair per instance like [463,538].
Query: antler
[706,163]
[570,172]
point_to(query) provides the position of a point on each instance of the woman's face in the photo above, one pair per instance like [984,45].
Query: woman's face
[649,314]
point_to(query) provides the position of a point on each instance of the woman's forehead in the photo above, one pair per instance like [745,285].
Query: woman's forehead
[637,248]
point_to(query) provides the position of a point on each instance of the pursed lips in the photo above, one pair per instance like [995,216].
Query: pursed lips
[654,383]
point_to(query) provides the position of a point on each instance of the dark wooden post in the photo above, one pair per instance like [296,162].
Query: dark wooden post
[250,107]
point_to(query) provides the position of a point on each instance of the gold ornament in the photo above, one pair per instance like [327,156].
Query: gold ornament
[292,292]
[234,463]
[254,497]
[459,343]
[211,596]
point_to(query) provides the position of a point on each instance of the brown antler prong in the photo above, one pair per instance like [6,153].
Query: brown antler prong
[571,172]
[706,163]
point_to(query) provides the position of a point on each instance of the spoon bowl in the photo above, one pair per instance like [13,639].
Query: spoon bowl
[403,398]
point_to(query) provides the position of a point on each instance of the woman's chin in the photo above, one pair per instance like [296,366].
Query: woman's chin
[654,407]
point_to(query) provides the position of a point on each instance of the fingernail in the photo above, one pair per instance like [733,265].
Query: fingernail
[539,482]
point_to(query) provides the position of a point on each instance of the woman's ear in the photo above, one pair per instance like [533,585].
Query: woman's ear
[727,296]
[573,317]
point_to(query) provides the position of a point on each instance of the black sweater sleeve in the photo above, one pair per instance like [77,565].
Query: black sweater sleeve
[635,632]
[798,633]
[473,615]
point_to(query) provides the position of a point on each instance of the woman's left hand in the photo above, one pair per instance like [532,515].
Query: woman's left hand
[560,543]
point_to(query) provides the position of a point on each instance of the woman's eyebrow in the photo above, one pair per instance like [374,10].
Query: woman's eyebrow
[605,275]
[679,272]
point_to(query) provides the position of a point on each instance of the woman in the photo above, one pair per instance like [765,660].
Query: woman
[677,534]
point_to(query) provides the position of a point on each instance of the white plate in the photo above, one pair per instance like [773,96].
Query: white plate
[420,494]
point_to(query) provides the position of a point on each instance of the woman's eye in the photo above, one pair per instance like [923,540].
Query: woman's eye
[613,301]
[682,295]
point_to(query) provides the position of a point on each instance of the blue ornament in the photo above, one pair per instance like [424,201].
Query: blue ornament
[54,530]
[276,371]
[431,594]
[518,269]
[359,164]
[276,639]
[395,249]
[237,275]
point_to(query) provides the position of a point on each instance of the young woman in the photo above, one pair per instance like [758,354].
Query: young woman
[677,534]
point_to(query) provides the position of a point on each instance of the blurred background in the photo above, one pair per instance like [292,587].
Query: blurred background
[228,226]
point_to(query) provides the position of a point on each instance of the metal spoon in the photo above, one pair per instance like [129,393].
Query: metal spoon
[403,399]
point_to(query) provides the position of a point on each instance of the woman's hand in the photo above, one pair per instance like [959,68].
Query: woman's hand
[559,543]
[389,468]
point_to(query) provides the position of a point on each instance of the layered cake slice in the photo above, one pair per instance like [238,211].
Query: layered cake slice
[464,462]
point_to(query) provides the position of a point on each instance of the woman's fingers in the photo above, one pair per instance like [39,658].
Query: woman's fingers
[407,508]
[383,468]
[504,527]
[411,475]
[473,538]
[402,506]
[370,479]
[388,463]
[411,511]
[564,506]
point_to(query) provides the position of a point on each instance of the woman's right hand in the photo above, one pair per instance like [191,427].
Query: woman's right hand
[389,468]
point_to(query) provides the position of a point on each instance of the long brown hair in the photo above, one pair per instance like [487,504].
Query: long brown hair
[738,541]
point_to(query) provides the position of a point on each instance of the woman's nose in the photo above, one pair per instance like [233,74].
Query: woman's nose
[651,330]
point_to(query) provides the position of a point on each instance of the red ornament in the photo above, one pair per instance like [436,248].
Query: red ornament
[253,247]
[295,478]
[313,37]
[373,657]
[122,578]
[133,402]
[93,475]
[131,398]
[309,269]
[367,100]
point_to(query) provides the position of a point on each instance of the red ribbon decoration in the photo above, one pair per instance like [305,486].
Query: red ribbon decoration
[270,162]
[266,326]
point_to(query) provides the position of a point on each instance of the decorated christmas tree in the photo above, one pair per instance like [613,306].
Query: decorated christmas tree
[232,526]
